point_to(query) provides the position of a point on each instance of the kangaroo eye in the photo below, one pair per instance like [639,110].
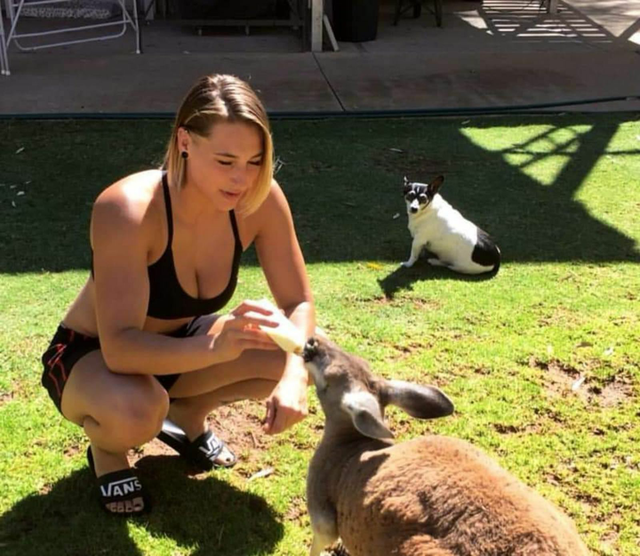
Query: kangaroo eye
[422,198]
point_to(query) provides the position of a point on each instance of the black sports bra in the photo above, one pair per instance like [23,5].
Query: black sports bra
[167,299]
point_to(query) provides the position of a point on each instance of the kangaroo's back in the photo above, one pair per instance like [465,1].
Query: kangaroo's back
[438,495]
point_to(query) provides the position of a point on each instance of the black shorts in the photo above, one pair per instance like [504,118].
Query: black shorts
[68,346]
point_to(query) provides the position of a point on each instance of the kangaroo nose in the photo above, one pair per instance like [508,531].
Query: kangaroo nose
[310,350]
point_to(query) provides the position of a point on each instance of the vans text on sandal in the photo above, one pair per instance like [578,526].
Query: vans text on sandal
[122,489]
[205,452]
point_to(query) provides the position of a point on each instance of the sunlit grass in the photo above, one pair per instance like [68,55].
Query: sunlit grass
[507,350]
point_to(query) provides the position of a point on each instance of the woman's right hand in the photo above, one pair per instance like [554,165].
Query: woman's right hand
[239,330]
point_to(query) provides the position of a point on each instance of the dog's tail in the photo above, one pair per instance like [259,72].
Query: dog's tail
[496,267]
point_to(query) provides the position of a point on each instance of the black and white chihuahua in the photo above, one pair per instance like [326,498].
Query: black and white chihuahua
[452,240]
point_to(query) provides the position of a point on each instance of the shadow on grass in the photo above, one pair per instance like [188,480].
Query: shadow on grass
[206,516]
[531,222]
[403,278]
[343,181]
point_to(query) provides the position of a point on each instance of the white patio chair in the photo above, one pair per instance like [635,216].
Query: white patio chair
[4,61]
[16,8]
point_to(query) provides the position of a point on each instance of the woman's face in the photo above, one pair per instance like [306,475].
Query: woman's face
[224,165]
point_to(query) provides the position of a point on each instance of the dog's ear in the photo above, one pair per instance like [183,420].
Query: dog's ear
[434,185]
[406,186]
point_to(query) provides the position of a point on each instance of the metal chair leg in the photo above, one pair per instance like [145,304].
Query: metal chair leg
[438,10]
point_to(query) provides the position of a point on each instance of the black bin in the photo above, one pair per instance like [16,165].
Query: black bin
[355,20]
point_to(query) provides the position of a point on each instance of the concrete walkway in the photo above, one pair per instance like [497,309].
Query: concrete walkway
[488,54]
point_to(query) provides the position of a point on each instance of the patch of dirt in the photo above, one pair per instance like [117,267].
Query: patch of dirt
[559,316]
[402,351]
[614,393]
[430,304]
[588,500]
[5,397]
[564,380]
[45,489]
[298,511]
[550,414]
[238,424]
[71,451]
[509,429]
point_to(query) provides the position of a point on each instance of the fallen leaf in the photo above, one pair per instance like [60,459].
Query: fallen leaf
[396,215]
[374,266]
[13,204]
[20,150]
[577,384]
[19,193]
[466,122]
[262,473]
[396,150]
[608,351]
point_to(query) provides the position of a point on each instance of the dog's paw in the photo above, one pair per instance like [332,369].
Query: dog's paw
[435,262]
[407,264]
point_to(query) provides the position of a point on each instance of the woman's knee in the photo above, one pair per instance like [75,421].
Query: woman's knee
[138,409]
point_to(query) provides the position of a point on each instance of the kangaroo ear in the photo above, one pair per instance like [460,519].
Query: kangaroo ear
[421,402]
[434,185]
[365,414]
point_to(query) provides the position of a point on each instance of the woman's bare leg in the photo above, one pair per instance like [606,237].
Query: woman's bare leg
[116,411]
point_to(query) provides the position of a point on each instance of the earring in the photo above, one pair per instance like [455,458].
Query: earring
[184,154]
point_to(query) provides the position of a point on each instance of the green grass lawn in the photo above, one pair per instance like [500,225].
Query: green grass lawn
[561,196]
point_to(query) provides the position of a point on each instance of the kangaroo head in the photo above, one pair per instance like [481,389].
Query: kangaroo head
[349,391]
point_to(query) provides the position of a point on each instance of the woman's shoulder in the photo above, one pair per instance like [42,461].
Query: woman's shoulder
[273,216]
[275,203]
[131,196]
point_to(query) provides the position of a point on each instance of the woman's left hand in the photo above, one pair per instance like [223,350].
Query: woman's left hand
[287,405]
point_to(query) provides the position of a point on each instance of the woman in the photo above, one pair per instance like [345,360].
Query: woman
[143,341]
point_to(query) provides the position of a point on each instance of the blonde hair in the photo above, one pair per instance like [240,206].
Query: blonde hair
[222,98]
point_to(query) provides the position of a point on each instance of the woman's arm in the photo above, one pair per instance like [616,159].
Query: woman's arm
[121,234]
[282,262]
[283,265]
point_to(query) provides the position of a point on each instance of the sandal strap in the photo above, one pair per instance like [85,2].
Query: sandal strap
[207,445]
[203,452]
[119,486]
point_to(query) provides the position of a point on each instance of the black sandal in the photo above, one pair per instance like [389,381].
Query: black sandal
[205,452]
[119,486]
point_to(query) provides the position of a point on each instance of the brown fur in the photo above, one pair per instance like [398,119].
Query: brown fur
[431,496]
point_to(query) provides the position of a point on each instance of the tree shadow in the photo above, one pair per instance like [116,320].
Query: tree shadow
[530,221]
[343,182]
[205,513]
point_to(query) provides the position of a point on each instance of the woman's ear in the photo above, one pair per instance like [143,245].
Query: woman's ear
[183,139]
